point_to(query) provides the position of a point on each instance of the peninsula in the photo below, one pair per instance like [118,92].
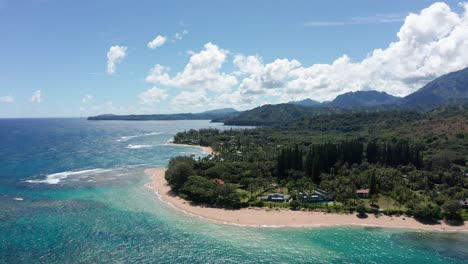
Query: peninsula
[384,167]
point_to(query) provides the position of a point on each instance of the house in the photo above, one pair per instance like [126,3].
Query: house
[464,203]
[276,197]
[362,193]
[309,197]
[328,196]
[318,195]
[218,181]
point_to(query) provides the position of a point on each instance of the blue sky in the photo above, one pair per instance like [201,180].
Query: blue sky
[54,54]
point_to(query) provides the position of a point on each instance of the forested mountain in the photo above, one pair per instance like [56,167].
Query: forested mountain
[362,99]
[221,111]
[306,103]
[446,90]
[270,114]
[451,88]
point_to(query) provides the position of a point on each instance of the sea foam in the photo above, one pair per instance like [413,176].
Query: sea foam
[55,178]
[130,146]
[125,138]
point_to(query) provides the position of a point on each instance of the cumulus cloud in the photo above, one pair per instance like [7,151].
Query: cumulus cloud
[152,96]
[87,99]
[115,55]
[7,99]
[157,42]
[263,76]
[36,97]
[202,72]
[429,43]
[190,100]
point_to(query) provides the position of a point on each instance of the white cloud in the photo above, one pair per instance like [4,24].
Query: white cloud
[180,35]
[262,77]
[249,64]
[152,96]
[36,97]
[190,100]
[430,43]
[7,99]
[157,42]
[202,72]
[115,55]
[87,99]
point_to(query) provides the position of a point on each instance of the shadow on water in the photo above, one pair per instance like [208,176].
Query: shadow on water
[452,246]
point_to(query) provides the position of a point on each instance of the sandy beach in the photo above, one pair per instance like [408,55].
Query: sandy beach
[259,217]
[206,150]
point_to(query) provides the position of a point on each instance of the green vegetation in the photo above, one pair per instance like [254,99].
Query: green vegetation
[178,171]
[452,210]
[412,163]
[294,205]
[361,209]
[183,180]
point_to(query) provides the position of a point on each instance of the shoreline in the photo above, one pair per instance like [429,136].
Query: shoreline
[260,217]
[206,150]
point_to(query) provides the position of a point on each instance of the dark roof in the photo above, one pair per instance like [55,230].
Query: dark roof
[273,195]
[320,191]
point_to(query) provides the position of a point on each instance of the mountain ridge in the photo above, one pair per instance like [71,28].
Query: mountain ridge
[446,90]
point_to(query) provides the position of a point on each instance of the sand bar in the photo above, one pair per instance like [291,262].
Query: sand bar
[260,217]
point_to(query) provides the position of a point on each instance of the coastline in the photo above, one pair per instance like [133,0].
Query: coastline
[206,150]
[259,217]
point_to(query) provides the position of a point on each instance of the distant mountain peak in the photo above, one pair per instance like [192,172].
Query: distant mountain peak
[221,111]
[447,89]
[306,102]
[368,98]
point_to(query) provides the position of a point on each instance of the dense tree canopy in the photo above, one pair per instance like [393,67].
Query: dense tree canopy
[411,162]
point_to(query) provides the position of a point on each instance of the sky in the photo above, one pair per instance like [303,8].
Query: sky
[64,58]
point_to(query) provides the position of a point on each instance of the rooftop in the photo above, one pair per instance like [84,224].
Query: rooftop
[219,181]
[363,191]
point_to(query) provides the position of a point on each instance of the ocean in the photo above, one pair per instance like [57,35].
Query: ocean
[73,191]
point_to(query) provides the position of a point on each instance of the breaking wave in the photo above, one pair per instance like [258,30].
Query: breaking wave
[130,146]
[125,138]
[55,178]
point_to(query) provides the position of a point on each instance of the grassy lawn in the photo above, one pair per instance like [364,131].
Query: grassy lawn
[465,214]
[387,203]
[384,203]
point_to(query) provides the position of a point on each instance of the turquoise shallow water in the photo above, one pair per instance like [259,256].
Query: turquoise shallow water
[72,191]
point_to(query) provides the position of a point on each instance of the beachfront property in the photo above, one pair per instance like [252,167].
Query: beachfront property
[318,195]
[363,193]
[276,197]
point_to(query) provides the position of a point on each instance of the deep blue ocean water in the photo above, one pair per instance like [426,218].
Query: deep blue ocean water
[73,191]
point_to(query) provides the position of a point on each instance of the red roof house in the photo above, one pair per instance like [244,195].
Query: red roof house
[219,181]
